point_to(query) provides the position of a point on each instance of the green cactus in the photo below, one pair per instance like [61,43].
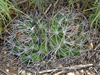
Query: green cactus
[66,35]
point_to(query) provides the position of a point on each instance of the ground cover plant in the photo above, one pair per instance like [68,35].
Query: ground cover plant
[67,37]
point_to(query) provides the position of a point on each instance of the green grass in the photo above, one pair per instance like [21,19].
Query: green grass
[94,16]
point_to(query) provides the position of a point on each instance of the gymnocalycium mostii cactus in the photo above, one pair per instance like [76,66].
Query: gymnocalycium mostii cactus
[66,34]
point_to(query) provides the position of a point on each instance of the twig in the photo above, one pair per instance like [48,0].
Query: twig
[94,52]
[32,72]
[61,72]
[46,71]
[67,68]
[83,5]
[57,2]
[48,9]
[45,12]
[76,67]
[3,71]
[39,7]
[84,17]
[20,2]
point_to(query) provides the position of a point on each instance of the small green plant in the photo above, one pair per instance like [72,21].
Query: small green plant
[67,37]
[6,6]
[94,17]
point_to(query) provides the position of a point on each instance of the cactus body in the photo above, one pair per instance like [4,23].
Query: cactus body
[65,38]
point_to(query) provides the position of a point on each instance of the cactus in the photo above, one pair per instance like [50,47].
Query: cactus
[66,35]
